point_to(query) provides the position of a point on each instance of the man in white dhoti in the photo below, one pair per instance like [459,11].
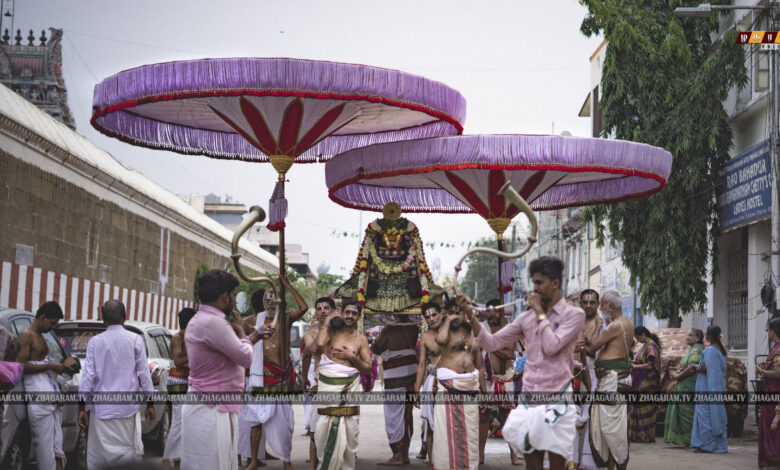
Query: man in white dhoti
[115,362]
[426,373]
[550,329]
[345,354]
[39,377]
[585,379]
[458,379]
[218,352]
[396,345]
[177,384]
[268,376]
[323,307]
[609,422]
[251,417]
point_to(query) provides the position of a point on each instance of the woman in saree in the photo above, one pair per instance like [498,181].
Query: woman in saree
[768,437]
[679,415]
[645,378]
[709,418]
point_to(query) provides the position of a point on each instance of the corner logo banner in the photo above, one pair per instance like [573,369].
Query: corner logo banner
[768,40]
[745,192]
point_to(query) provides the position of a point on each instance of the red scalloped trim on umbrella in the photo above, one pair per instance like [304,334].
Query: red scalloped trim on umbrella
[258,124]
[316,131]
[277,226]
[497,203]
[475,202]
[290,128]
[297,93]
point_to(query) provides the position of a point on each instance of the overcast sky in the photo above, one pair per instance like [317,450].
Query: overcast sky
[521,65]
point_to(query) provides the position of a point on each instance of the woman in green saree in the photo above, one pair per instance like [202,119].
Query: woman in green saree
[679,416]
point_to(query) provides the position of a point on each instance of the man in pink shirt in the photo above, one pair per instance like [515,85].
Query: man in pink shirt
[550,329]
[218,352]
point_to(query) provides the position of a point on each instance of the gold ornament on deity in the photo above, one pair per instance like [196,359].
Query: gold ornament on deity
[391,211]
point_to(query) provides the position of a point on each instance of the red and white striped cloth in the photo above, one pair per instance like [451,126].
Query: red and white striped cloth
[27,288]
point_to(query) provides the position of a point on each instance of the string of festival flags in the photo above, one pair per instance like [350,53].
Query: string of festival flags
[429,245]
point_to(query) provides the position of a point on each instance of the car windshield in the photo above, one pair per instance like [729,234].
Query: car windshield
[74,341]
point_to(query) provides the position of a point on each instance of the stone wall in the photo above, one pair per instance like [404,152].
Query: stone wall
[75,232]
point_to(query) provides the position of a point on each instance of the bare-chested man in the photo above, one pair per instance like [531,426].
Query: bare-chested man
[396,345]
[344,355]
[40,377]
[585,375]
[456,422]
[323,307]
[613,373]
[426,372]
[272,372]
[499,379]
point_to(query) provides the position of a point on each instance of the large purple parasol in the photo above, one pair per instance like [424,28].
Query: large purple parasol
[270,109]
[250,108]
[465,174]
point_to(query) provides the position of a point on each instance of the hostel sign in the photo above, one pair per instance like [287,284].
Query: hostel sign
[745,193]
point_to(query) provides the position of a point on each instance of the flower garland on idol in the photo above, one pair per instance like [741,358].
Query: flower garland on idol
[368,252]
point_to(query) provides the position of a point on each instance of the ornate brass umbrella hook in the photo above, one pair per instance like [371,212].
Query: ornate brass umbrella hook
[508,192]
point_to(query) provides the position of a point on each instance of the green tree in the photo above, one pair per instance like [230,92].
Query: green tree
[481,279]
[664,83]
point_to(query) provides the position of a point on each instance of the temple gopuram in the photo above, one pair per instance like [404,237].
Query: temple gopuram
[35,71]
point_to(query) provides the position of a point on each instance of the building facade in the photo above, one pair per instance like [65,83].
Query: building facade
[744,201]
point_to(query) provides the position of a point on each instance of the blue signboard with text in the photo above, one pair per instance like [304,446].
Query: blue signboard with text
[745,193]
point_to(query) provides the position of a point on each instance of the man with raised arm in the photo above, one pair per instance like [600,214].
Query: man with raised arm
[426,373]
[609,422]
[458,381]
[278,377]
[344,356]
[396,345]
[550,329]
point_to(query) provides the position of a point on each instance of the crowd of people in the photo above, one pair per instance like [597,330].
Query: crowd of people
[553,348]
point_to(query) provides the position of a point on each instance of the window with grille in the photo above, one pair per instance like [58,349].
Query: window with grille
[737,293]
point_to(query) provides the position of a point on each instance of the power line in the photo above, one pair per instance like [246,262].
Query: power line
[76,50]
[132,43]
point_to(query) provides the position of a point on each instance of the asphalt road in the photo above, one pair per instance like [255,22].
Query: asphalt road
[373,448]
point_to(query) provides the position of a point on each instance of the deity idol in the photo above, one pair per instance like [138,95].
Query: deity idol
[391,275]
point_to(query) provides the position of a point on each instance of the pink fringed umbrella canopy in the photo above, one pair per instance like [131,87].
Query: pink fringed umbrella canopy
[282,110]
[250,108]
[464,174]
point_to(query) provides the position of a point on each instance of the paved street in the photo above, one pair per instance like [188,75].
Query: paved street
[743,452]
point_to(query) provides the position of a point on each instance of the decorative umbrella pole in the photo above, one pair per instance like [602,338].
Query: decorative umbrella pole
[466,174]
[282,110]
